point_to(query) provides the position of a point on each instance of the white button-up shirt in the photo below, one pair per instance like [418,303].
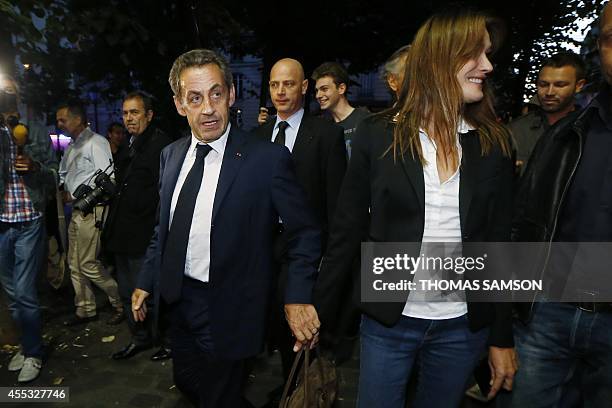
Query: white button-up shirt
[291,131]
[197,259]
[88,153]
[442,224]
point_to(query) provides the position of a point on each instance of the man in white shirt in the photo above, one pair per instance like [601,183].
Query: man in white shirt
[210,259]
[87,153]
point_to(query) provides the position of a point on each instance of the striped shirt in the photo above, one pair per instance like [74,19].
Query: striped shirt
[17,206]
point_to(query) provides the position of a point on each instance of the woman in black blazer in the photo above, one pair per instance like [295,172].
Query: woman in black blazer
[436,168]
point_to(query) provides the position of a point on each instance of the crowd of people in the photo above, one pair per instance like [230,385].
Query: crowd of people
[224,241]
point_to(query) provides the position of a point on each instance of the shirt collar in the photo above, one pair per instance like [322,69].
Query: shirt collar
[217,145]
[84,135]
[293,120]
[464,127]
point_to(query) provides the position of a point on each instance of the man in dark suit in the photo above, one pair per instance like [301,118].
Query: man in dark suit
[221,195]
[319,154]
[131,218]
[316,145]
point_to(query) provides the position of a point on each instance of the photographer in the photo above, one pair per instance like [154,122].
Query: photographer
[131,220]
[87,153]
[27,173]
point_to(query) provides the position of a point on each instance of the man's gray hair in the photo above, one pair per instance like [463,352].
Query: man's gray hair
[197,58]
[395,62]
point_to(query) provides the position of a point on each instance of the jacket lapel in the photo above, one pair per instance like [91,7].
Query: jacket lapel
[232,160]
[414,171]
[172,168]
[468,172]
[303,138]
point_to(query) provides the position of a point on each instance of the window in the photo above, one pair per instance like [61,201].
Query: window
[239,85]
[366,88]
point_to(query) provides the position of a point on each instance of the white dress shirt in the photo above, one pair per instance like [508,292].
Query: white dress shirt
[197,259]
[442,224]
[291,131]
[88,153]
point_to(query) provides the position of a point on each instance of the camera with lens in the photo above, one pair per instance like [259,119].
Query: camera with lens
[86,198]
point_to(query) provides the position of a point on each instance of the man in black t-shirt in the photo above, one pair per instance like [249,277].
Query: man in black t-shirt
[331,89]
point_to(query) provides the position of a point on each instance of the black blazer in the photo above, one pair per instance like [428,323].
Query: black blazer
[385,201]
[319,155]
[131,218]
[256,185]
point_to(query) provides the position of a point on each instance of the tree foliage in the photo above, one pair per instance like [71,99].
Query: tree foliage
[115,46]
[31,33]
[543,30]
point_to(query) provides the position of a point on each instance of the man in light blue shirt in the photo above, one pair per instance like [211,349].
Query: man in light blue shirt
[87,153]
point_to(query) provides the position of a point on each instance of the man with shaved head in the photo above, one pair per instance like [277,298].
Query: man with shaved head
[319,155]
[317,146]
[565,197]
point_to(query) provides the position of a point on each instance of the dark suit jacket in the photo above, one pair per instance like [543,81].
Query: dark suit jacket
[386,200]
[319,155]
[132,213]
[256,185]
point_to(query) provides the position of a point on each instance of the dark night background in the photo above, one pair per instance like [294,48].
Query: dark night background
[80,47]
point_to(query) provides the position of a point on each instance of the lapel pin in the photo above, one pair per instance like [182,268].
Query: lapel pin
[238,154]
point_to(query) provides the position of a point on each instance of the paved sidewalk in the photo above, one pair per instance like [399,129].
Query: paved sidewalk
[79,358]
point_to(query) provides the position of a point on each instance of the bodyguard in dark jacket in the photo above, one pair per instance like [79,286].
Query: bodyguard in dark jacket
[565,197]
[131,220]
[318,153]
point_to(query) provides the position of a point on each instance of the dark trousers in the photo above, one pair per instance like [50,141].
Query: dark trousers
[206,380]
[154,328]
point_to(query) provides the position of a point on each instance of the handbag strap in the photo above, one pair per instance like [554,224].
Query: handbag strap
[306,364]
[291,378]
[306,351]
